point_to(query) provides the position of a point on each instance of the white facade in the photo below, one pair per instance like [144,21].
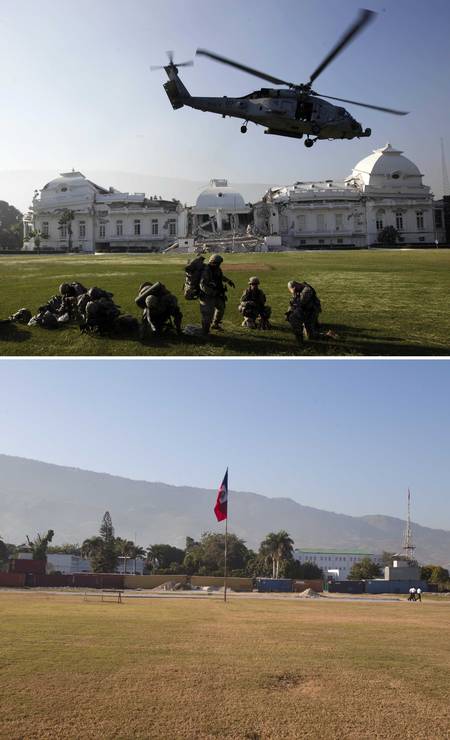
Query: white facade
[102,219]
[67,564]
[339,561]
[384,189]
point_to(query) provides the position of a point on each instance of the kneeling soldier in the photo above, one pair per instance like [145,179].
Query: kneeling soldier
[304,311]
[253,306]
[160,307]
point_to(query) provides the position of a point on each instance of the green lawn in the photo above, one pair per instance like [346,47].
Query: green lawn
[254,669]
[377,302]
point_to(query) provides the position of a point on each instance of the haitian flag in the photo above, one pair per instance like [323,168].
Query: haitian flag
[221,507]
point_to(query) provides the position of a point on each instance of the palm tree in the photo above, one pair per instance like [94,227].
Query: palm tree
[153,556]
[91,547]
[127,549]
[40,544]
[66,220]
[277,546]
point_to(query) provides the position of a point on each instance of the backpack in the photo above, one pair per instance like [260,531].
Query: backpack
[192,276]
[126,325]
[148,289]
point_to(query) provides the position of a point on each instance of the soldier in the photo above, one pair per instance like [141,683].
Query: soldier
[213,294]
[160,308]
[253,306]
[304,311]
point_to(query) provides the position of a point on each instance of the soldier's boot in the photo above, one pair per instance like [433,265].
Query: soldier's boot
[248,323]
[299,337]
[264,323]
[205,327]
[177,321]
[217,326]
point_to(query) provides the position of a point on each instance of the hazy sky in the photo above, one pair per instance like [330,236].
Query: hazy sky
[77,90]
[343,436]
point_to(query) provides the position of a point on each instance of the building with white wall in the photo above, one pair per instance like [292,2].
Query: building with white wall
[338,561]
[72,213]
[384,189]
[67,564]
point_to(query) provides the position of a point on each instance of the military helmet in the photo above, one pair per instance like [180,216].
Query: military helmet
[253,280]
[64,288]
[294,285]
[215,259]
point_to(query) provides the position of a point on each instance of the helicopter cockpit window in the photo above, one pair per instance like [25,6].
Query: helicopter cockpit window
[263,93]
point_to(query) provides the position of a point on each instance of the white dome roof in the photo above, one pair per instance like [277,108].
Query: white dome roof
[386,167]
[219,195]
[65,179]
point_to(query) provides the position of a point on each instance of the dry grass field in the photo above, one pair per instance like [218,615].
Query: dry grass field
[253,668]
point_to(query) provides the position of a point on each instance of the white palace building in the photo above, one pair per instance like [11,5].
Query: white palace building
[384,189]
[100,218]
[71,213]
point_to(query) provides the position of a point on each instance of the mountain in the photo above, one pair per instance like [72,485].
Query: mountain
[17,186]
[37,496]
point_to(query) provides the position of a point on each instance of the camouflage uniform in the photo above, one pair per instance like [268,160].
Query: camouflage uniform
[253,306]
[160,307]
[213,294]
[304,311]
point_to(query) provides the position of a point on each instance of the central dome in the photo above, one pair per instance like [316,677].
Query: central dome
[219,195]
[386,167]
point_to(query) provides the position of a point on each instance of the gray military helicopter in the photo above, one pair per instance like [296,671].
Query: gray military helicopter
[293,112]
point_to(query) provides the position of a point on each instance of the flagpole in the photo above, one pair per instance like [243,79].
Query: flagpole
[226,546]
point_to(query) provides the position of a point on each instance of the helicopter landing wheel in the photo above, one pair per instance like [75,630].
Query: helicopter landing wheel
[243,129]
[368,132]
[309,143]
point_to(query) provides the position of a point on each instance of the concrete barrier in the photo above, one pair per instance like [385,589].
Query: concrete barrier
[233,582]
[151,581]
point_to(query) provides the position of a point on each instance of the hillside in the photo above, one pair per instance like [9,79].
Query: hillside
[37,496]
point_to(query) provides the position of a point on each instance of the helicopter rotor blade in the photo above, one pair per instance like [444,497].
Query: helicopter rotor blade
[243,68]
[364,105]
[180,64]
[364,17]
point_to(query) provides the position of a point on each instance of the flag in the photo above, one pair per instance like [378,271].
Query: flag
[221,507]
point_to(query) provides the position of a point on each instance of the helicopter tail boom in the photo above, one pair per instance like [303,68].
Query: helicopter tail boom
[176,91]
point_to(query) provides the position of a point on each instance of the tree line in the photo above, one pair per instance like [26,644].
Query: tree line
[206,556]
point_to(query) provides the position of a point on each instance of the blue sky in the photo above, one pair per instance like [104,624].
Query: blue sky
[343,436]
[77,90]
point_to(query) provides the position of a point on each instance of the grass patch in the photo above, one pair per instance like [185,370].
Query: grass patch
[177,668]
[378,302]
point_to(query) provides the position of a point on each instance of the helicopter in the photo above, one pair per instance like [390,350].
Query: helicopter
[294,111]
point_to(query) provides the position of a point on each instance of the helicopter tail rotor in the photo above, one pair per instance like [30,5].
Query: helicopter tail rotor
[172,63]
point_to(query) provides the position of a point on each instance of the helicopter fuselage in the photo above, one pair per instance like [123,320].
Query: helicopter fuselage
[283,112]
[293,110]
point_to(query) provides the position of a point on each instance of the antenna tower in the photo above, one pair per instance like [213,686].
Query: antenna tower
[445,180]
[408,547]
